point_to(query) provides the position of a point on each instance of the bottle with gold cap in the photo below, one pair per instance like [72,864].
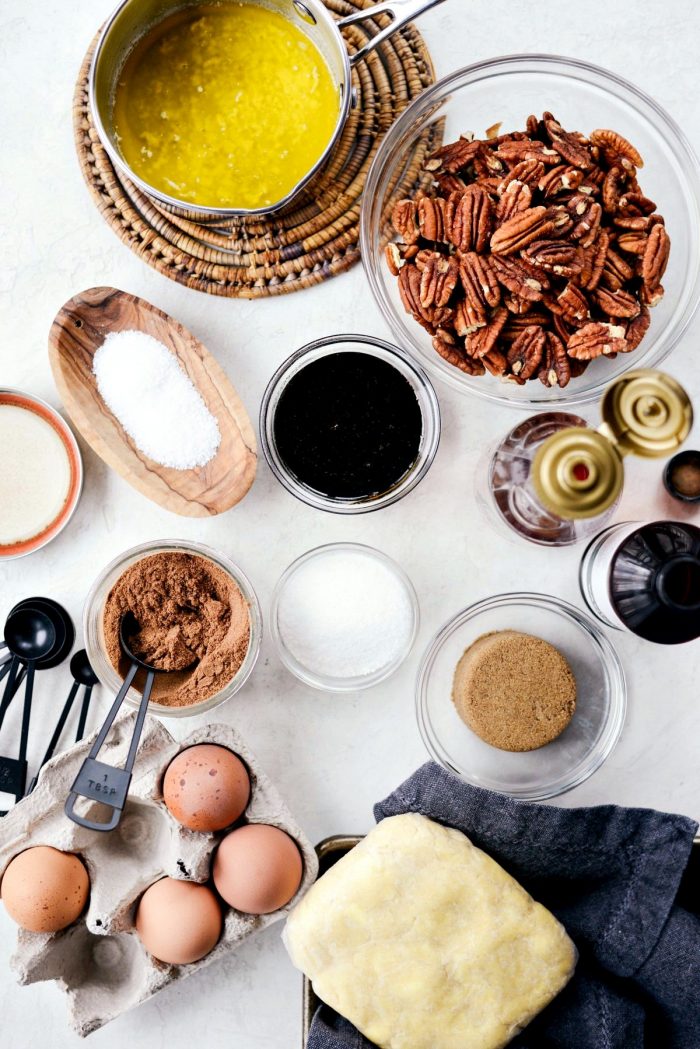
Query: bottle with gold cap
[554,480]
[645,578]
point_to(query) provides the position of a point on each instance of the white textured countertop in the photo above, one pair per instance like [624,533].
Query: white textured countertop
[331,756]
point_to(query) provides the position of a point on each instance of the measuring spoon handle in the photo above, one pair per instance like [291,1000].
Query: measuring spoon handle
[83,713]
[56,732]
[104,783]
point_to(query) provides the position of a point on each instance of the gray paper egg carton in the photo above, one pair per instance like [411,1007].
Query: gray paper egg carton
[99,961]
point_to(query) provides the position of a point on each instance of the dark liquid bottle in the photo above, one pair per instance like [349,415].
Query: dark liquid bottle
[646,578]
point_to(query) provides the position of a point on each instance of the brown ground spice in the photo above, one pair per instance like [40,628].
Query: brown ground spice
[194,622]
[515,691]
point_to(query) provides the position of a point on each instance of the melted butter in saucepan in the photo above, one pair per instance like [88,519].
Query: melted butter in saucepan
[225,106]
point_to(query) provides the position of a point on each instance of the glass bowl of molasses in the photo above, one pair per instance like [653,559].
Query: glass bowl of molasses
[349,424]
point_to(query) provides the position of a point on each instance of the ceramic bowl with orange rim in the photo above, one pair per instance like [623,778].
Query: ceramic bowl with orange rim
[41,473]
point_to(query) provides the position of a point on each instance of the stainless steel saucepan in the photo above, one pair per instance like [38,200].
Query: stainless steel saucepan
[133,18]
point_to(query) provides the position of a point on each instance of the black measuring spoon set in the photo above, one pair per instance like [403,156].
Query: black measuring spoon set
[38,635]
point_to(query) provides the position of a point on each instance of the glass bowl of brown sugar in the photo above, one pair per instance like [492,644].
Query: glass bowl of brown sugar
[540,769]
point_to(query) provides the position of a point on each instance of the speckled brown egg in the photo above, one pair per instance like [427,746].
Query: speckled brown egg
[44,889]
[257,869]
[206,787]
[178,922]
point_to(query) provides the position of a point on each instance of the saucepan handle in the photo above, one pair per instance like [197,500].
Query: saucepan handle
[401,12]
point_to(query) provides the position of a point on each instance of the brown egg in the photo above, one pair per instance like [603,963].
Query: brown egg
[206,787]
[178,922]
[257,869]
[44,889]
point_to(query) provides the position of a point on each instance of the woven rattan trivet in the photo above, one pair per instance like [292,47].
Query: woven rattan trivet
[317,237]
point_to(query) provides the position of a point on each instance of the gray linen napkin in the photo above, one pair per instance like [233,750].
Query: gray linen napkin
[611,875]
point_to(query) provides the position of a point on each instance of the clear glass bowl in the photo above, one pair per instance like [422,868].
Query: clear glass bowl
[585,743]
[583,97]
[94,637]
[335,684]
[425,395]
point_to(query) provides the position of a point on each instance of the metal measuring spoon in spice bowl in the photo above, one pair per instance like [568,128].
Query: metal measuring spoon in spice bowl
[96,780]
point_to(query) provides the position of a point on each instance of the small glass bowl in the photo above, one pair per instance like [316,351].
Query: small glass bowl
[585,743]
[19,399]
[583,97]
[93,621]
[412,372]
[351,684]
[690,457]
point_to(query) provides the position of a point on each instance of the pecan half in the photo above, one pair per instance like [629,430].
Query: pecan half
[431,218]
[651,296]
[521,230]
[655,258]
[616,271]
[554,256]
[612,188]
[586,215]
[570,146]
[394,258]
[594,257]
[596,339]
[448,184]
[468,219]
[514,304]
[634,242]
[495,362]
[573,305]
[555,368]
[446,347]
[453,157]
[404,218]
[517,196]
[526,351]
[515,151]
[636,203]
[438,280]
[634,222]
[562,222]
[617,303]
[519,278]
[617,146]
[409,290]
[637,328]
[562,179]
[479,281]
[527,171]
[468,318]
[484,340]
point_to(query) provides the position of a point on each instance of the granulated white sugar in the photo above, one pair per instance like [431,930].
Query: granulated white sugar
[158,406]
[345,614]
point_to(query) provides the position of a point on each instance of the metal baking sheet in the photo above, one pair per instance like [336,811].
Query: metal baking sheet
[330,851]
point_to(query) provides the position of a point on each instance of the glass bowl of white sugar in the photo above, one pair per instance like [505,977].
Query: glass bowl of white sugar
[344,617]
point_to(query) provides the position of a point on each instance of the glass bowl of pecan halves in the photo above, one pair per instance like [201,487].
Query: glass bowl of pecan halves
[550,244]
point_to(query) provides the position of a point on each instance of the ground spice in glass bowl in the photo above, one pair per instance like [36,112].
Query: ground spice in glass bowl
[682,477]
[349,424]
[199,619]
